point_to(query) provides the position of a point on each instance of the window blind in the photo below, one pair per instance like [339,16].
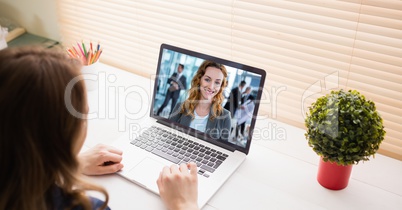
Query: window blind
[307,47]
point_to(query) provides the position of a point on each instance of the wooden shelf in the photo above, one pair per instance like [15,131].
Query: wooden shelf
[31,39]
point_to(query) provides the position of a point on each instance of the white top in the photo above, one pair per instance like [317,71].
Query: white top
[199,123]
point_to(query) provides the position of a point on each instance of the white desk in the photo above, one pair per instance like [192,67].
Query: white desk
[277,174]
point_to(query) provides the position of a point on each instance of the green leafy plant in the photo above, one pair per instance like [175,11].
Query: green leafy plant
[344,127]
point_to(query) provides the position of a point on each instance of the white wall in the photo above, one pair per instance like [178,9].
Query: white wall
[38,17]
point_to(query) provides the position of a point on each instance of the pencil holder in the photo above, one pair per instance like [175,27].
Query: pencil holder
[90,76]
[89,55]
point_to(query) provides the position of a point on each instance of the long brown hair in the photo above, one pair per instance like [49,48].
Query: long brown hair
[195,94]
[38,135]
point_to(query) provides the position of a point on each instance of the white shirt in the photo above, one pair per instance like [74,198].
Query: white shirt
[199,123]
[179,75]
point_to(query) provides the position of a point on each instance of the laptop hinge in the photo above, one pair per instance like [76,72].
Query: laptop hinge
[197,134]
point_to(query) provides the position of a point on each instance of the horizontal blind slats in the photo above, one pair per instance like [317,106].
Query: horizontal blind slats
[306,47]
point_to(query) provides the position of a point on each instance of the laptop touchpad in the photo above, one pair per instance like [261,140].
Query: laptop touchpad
[146,173]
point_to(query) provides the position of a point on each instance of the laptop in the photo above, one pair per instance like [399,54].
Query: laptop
[162,142]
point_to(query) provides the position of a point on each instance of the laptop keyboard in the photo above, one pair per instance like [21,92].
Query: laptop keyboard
[179,150]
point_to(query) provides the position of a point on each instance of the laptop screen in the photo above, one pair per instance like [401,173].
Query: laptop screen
[207,97]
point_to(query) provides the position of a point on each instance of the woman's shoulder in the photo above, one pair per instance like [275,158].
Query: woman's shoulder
[177,108]
[63,201]
[225,113]
[97,203]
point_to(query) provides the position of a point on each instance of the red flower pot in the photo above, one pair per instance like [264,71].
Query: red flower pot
[333,176]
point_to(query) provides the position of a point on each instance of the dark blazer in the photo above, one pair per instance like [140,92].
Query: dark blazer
[218,128]
[233,101]
[181,81]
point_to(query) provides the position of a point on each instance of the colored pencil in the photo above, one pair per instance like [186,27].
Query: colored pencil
[85,50]
[97,57]
[79,46]
[76,52]
[88,55]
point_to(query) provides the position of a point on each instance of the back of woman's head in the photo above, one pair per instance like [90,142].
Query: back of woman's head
[38,135]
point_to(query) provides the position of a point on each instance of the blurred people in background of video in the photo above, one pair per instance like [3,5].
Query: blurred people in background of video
[177,82]
[246,94]
[243,114]
[234,99]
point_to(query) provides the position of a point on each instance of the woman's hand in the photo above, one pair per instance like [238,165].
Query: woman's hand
[178,187]
[101,159]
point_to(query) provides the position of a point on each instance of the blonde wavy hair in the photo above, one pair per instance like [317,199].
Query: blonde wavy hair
[38,135]
[191,103]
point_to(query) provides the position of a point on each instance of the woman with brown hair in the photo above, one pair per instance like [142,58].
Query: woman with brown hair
[203,109]
[40,139]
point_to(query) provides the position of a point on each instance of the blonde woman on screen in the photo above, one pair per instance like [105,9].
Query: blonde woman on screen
[203,109]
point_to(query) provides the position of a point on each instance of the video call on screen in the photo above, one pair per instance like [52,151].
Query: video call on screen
[241,119]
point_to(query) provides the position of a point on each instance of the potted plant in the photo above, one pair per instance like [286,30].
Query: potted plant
[343,128]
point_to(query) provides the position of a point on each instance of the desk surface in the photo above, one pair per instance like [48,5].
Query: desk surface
[279,172]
